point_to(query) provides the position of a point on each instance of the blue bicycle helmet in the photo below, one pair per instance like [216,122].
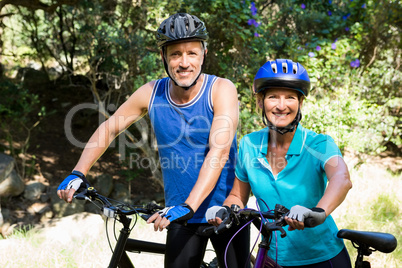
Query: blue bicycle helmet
[282,73]
[178,28]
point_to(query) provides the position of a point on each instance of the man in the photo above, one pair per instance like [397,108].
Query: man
[194,117]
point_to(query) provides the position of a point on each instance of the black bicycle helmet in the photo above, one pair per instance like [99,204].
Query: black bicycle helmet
[181,26]
[282,73]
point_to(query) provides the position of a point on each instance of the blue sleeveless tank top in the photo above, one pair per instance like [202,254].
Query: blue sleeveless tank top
[182,134]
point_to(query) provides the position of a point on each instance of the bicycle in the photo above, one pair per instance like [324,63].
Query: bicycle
[365,242]
[123,213]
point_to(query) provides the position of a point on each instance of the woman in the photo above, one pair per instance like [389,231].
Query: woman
[287,164]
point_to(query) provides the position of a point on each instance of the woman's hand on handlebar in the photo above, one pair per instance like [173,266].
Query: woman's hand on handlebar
[215,222]
[300,217]
[294,224]
[216,215]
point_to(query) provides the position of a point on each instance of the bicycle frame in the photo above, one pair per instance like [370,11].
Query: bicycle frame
[120,213]
[262,260]
[124,244]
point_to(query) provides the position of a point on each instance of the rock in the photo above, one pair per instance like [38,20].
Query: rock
[104,184]
[34,190]
[13,185]
[46,216]
[7,229]
[5,214]
[38,208]
[121,193]
[62,208]
[44,197]
[6,166]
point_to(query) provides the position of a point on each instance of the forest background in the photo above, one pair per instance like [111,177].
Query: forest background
[96,53]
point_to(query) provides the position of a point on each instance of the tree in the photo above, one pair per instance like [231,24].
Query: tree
[350,48]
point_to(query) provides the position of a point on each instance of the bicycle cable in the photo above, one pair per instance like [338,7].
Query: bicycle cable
[266,220]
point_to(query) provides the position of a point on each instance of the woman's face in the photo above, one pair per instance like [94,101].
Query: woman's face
[281,105]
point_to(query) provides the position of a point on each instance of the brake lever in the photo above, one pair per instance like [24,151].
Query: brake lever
[81,196]
[152,206]
[222,227]
[272,226]
[280,211]
[234,215]
[145,217]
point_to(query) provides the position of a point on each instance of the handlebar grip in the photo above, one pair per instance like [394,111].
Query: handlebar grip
[310,222]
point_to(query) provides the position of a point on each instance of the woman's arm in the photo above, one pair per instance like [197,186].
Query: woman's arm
[238,195]
[338,184]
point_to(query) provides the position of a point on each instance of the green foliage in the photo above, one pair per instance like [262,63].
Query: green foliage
[20,112]
[351,50]
[17,102]
[355,86]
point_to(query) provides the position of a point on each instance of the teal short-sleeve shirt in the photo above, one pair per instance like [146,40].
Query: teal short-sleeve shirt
[301,182]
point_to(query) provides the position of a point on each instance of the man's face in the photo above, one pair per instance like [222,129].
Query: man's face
[184,61]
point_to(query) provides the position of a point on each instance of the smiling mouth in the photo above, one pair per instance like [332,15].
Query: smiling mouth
[181,71]
[280,115]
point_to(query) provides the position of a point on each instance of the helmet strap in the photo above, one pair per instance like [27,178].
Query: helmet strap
[282,130]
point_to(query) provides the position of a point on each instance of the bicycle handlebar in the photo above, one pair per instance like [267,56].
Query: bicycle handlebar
[110,210]
[278,215]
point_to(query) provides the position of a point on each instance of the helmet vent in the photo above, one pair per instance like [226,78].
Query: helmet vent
[273,66]
[285,68]
[181,26]
[163,29]
[294,69]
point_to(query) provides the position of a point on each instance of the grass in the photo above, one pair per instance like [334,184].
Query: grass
[34,249]
[76,241]
[373,204]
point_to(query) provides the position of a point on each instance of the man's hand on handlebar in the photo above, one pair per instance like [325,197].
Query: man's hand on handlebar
[164,217]
[74,182]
